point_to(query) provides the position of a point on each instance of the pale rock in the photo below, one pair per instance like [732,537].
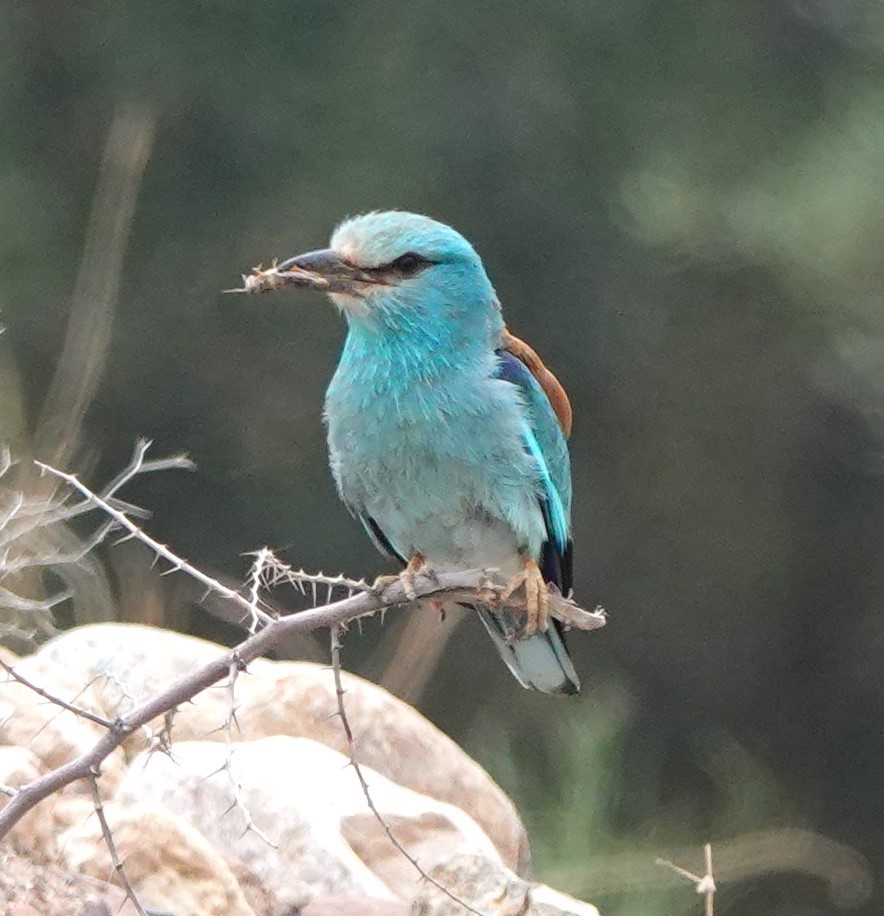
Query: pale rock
[169,863]
[308,803]
[260,898]
[18,767]
[546,901]
[32,886]
[36,833]
[115,666]
[132,661]
[298,698]
[56,736]
[341,905]
[493,890]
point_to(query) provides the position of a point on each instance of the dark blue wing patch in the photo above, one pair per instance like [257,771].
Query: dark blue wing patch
[379,539]
[557,564]
[556,553]
[511,369]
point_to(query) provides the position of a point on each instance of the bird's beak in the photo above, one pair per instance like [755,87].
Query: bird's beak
[341,276]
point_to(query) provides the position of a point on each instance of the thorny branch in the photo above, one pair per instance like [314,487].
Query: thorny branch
[236,787]
[276,572]
[56,701]
[177,564]
[25,520]
[357,768]
[111,846]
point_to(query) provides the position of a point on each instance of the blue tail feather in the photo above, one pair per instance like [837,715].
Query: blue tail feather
[540,662]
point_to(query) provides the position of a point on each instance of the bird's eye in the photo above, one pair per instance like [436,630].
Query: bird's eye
[410,264]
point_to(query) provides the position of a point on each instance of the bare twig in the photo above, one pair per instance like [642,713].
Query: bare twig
[137,466]
[111,846]
[704,885]
[34,536]
[17,603]
[366,791]
[562,608]
[160,741]
[236,787]
[275,571]
[13,509]
[6,461]
[60,559]
[256,580]
[161,550]
[56,701]
[53,510]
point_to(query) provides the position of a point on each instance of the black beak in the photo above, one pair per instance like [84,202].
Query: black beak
[341,276]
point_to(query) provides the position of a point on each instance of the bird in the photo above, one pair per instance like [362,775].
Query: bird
[447,435]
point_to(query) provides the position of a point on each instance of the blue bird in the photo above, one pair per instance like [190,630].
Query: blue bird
[446,434]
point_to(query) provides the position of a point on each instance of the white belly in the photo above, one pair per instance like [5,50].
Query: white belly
[471,544]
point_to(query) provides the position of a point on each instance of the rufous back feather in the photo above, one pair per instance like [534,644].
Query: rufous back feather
[548,382]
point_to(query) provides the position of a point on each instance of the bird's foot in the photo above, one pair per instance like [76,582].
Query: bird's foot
[488,590]
[531,579]
[406,578]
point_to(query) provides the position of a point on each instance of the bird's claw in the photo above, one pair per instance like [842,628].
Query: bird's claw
[408,575]
[406,578]
[488,590]
[531,579]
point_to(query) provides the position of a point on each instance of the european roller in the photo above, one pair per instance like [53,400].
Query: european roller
[447,434]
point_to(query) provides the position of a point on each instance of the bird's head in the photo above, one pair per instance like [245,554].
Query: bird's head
[398,271]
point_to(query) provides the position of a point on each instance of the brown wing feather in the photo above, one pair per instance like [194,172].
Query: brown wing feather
[548,382]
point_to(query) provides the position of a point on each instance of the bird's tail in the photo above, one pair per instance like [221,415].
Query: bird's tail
[540,662]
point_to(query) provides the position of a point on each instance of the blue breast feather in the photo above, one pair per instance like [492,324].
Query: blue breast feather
[545,442]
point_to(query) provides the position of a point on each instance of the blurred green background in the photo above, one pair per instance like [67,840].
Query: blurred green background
[681,206]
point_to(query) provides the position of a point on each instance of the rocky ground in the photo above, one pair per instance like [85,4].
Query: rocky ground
[265,816]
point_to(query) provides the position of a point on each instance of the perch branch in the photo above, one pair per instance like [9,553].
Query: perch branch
[456,586]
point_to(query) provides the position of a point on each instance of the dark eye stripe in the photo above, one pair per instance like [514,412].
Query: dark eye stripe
[405,266]
[410,264]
